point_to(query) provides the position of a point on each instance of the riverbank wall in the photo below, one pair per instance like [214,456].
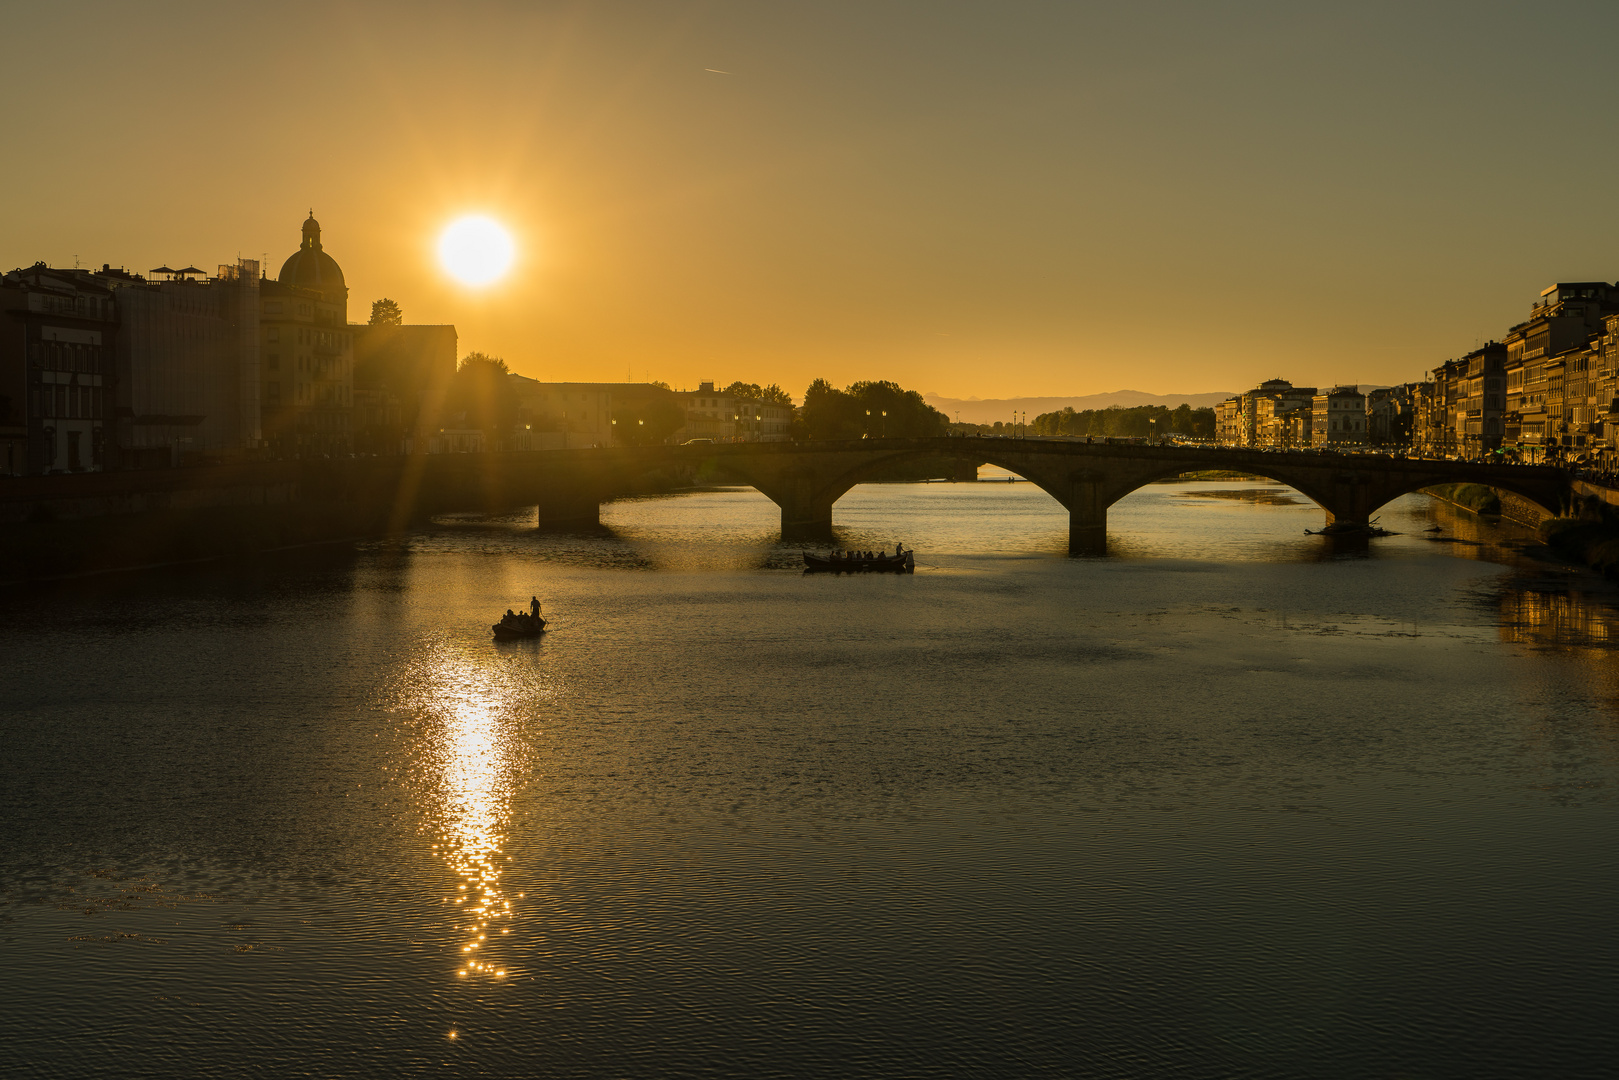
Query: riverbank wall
[1589,531]
[1490,502]
[52,526]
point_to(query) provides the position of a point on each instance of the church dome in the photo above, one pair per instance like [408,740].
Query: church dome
[310,267]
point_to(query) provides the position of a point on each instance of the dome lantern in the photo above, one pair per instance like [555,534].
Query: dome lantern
[310,267]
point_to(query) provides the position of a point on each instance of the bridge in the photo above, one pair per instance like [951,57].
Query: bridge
[806,479]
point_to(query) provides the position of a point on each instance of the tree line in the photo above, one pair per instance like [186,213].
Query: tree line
[865,410]
[1137,421]
[481,392]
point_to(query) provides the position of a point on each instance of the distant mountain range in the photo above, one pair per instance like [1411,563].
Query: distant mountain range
[989,410]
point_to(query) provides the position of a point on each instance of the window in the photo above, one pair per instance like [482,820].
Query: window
[273,335]
[273,361]
[272,393]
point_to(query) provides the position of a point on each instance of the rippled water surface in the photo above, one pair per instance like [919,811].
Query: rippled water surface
[1232,802]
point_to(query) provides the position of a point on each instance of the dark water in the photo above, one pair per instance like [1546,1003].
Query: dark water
[1231,803]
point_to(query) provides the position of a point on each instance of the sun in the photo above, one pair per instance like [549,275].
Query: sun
[476,250]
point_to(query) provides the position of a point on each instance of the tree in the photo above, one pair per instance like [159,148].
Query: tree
[481,390]
[385,312]
[748,391]
[887,409]
[867,410]
[775,395]
[829,413]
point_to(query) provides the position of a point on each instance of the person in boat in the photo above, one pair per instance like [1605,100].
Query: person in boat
[534,607]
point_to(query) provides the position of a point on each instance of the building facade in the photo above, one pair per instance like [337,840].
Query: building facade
[714,414]
[187,366]
[561,415]
[402,374]
[1338,417]
[1482,393]
[58,336]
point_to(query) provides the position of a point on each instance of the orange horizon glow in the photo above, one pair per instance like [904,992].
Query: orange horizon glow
[1058,199]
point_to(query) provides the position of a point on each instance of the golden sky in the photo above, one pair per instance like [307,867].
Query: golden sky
[985,199]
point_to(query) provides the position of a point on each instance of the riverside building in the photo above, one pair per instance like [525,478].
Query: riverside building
[187,364]
[401,376]
[58,332]
[714,414]
[307,377]
[1338,416]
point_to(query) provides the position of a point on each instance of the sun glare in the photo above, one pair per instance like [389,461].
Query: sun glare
[476,250]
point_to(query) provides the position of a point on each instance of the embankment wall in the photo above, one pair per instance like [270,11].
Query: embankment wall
[1491,502]
[57,525]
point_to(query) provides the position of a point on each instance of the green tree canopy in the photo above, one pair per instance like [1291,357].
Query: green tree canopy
[385,312]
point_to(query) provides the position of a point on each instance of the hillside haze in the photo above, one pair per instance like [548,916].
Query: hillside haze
[989,410]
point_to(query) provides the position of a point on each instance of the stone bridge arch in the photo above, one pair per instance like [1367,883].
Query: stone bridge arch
[806,479]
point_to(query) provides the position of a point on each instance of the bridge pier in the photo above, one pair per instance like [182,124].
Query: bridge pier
[1351,517]
[1087,514]
[1351,501]
[806,521]
[1087,535]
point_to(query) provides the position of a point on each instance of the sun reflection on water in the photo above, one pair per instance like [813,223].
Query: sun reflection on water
[469,762]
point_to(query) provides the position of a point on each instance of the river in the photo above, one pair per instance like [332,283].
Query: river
[1232,802]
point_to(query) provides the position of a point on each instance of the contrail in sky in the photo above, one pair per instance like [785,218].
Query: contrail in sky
[717,71]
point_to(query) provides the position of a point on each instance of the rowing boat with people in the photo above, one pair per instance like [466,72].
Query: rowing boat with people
[855,562]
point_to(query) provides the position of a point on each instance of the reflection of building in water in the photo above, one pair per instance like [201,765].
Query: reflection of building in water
[1583,631]
[1562,619]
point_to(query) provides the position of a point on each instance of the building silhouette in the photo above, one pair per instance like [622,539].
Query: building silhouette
[307,376]
[58,333]
[401,376]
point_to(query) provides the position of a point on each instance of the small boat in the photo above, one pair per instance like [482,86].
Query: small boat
[517,627]
[880,563]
